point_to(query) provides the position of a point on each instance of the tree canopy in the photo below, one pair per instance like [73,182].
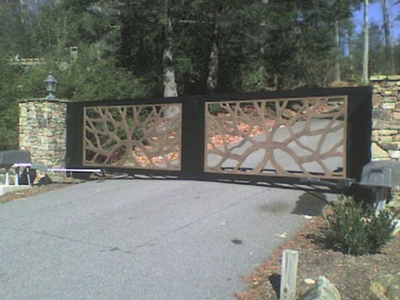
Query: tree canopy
[117,49]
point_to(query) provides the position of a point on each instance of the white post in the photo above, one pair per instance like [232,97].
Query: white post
[380,199]
[289,274]
[7,175]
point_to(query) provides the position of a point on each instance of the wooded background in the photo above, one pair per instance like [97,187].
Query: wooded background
[109,49]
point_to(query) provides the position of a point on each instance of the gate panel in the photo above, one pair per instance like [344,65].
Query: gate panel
[277,137]
[266,137]
[133,136]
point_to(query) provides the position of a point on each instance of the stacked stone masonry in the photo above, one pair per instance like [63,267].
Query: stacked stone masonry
[42,130]
[386,117]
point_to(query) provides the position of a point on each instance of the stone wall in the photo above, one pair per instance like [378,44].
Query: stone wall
[42,130]
[386,117]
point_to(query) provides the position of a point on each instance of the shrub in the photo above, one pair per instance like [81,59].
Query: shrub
[214,108]
[354,229]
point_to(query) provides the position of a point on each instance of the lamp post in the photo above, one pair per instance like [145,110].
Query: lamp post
[51,83]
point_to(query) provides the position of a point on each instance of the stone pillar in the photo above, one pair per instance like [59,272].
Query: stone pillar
[386,124]
[386,117]
[42,130]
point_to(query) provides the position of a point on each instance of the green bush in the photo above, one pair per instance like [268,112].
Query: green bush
[354,229]
[215,108]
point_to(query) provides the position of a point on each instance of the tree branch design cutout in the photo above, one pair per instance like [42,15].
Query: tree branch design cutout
[134,136]
[303,137]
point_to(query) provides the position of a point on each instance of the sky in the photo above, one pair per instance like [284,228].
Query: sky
[375,15]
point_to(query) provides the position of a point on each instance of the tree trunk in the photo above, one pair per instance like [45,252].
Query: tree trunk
[170,88]
[261,69]
[388,38]
[350,48]
[212,77]
[213,62]
[364,77]
[338,52]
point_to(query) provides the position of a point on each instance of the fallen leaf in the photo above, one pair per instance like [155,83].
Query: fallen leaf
[283,235]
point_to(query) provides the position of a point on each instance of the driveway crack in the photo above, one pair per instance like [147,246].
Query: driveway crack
[63,238]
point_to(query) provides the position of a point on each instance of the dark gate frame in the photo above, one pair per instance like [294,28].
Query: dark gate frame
[358,133]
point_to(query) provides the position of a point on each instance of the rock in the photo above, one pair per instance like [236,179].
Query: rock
[380,113]
[323,290]
[396,114]
[394,154]
[388,106]
[44,180]
[388,92]
[375,136]
[378,78]
[387,132]
[396,230]
[380,124]
[389,99]
[379,287]
[378,152]
[394,77]
[386,139]
[390,146]
[309,281]
[386,287]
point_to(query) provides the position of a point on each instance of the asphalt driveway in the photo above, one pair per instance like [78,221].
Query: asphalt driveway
[143,239]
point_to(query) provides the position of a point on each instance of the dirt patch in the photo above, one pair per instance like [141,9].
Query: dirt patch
[38,189]
[351,275]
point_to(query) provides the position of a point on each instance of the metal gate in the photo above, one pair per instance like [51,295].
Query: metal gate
[288,136]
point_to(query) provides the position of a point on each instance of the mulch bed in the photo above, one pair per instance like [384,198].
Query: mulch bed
[350,274]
